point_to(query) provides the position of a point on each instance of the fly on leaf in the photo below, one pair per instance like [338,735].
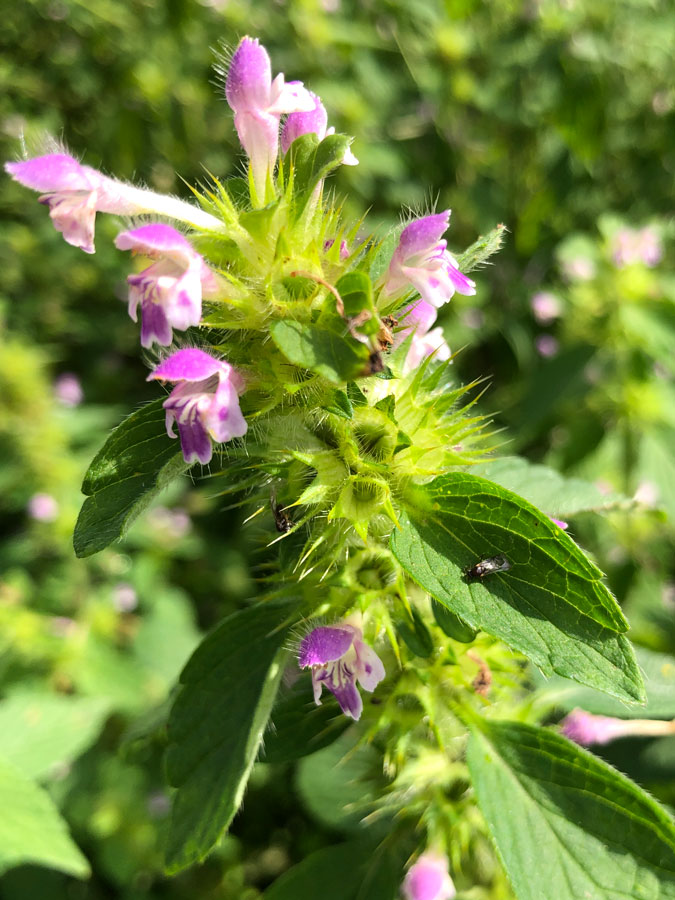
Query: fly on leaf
[489,566]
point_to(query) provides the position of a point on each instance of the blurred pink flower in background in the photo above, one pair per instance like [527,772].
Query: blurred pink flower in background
[546,307]
[546,345]
[68,390]
[43,508]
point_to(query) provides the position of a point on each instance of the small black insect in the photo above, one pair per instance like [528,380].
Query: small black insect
[488,567]
[282,521]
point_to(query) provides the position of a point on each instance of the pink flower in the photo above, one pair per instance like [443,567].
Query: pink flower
[546,307]
[170,290]
[339,658]
[422,261]
[632,245]
[204,404]
[43,508]
[419,317]
[344,249]
[428,879]
[75,193]
[313,121]
[586,729]
[68,390]
[546,345]
[258,103]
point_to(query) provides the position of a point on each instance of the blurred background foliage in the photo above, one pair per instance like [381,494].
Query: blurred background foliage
[553,116]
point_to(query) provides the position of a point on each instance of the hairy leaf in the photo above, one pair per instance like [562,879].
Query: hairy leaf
[136,462]
[216,726]
[550,605]
[567,825]
[336,358]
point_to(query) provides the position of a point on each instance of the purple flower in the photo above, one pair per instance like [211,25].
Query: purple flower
[313,121]
[170,290]
[204,404]
[428,879]
[339,658]
[43,508]
[258,103]
[75,193]
[422,261]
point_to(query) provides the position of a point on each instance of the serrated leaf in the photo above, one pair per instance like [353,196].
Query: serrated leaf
[336,358]
[41,731]
[298,727]
[216,726]
[136,462]
[31,829]
[551,605]
[547,489]
[567,825]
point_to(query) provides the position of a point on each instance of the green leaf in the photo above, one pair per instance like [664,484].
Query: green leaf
[312,162]
[41,731]
[336,358]
[338,871]
[415,634]
[658,672]
[340,405]
[551,605]
[547,489]
[31,829]
[136,462]
[216,726]
[356,291]
[481,250]
[337,784]
[451,624]
[358,870]
[567,825]
[299,727]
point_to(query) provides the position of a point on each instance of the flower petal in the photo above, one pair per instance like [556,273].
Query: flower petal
[194,442]
[53,172]
[325,644]
[370,669]
[189,364]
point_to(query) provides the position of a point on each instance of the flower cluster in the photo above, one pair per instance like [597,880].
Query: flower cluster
[191,292]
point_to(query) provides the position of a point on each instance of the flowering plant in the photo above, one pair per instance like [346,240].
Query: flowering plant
[412,562]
